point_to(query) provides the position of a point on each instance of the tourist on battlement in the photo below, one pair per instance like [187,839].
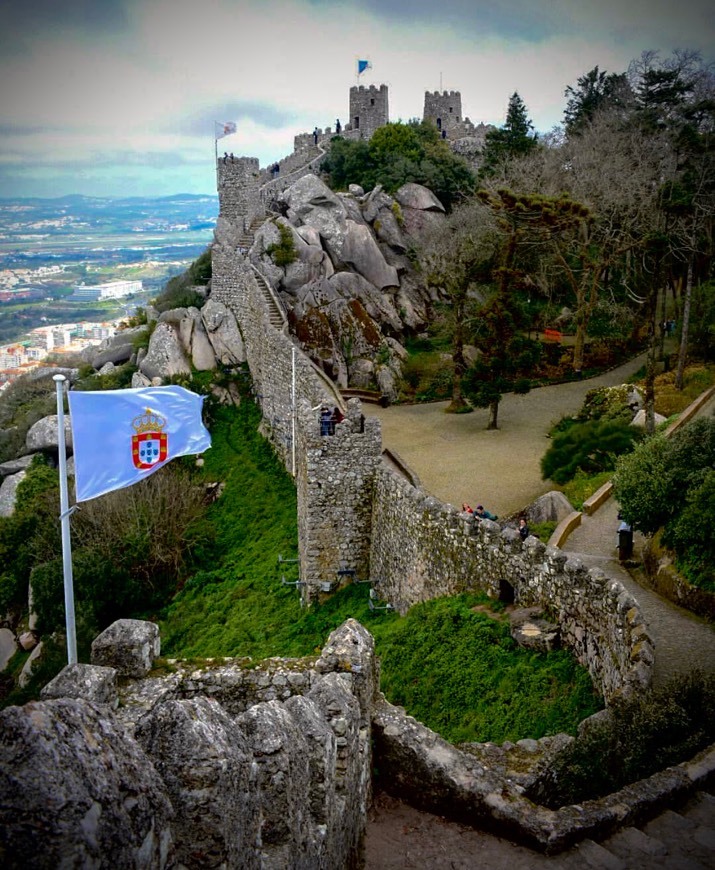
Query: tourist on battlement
[466,509]
[523,529]
[484,514]
[325,421]
[338,127]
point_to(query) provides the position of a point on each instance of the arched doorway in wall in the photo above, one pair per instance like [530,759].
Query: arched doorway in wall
[506,591]
[439,124]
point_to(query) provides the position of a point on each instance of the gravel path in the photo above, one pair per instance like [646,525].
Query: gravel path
[459,460]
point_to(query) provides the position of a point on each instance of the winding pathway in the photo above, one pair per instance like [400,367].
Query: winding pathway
[458,460]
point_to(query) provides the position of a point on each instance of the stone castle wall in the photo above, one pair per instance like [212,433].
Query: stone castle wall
[445,107]
[208,764]
[334,474]
[369,109]
[356,516]
[239,181]
[423,549]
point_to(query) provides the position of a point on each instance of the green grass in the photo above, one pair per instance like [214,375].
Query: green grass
[583,486]
[455,669]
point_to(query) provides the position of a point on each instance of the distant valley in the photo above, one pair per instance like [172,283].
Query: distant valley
[49,246]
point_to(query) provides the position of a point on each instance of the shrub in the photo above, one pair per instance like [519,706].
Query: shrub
[642,735]
[652,483]
[692,534]
[590,447]
[283,252]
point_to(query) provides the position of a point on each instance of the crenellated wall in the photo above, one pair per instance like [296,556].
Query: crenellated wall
[334,474]
[201,764]
[423,549]
[356,515]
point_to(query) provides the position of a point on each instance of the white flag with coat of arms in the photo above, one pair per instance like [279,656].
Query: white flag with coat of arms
[224,128]
[120,437]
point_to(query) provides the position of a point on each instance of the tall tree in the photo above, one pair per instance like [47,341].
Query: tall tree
[456,262]
[594,91]
[515,139]
[500,328]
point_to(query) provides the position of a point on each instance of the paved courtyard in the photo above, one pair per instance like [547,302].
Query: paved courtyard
[458,460]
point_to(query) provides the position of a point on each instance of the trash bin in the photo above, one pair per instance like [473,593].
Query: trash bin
[625,543]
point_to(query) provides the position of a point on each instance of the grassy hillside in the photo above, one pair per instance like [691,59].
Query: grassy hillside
[450,663]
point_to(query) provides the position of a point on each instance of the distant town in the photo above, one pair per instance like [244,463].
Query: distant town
[21,357]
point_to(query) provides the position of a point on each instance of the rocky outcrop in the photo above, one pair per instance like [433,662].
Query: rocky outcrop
[12,466]
[166,356]
[43,434]
[223,333]
[117,349]
[69,769]
[416,196]
[8,647]
[552,507]
[8,493]
[350,284]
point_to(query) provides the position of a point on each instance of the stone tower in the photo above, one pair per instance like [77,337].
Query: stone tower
[444,109]
[368,109]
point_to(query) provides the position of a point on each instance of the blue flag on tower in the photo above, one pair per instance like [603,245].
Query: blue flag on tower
[120,437]
[362,65]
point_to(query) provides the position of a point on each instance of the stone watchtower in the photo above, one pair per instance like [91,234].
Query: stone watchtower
[444,109]
[368,109]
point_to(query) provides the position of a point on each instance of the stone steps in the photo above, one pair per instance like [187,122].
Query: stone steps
[370,396]
[275,315]
[683,840]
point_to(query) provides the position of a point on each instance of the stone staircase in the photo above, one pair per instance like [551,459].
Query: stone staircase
[683,840]
[276,315]
[369,396]
[400,837]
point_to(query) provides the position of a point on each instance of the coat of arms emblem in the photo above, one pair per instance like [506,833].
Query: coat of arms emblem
[150,444]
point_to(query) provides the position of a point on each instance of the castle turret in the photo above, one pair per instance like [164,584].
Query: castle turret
[368,109]
[443,108]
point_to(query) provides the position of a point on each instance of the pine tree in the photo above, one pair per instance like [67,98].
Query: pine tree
[594,91]
[515,139]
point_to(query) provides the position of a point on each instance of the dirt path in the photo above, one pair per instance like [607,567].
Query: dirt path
[459,460]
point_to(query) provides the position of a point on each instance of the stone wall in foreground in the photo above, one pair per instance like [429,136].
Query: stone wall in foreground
[423,549]
[211,764]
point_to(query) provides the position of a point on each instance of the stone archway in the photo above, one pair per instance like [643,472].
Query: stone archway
[506,591]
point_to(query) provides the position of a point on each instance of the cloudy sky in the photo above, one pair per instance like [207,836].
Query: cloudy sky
[119,97]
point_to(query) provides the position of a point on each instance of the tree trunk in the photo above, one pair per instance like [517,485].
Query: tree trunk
[493,411]
[683,352]
[650,365]
[579,344]
[663,314]
[458,402]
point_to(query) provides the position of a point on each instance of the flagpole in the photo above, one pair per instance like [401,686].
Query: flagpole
[293,409]
[216,154]
[65,524]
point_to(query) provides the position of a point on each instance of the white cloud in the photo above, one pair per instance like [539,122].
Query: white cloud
[137,89]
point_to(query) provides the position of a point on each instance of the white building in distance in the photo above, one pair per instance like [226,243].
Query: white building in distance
[110,290]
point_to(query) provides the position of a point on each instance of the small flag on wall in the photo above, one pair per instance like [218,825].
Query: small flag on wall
[122,436]
[225,128]
[362,65]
